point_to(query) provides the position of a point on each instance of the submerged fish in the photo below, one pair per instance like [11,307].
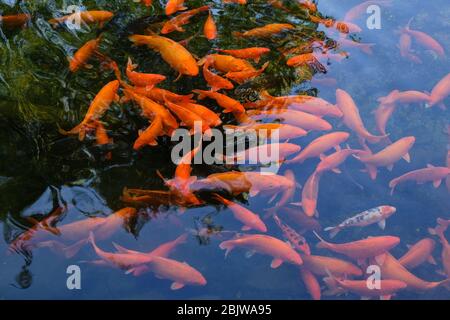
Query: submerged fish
[363,219]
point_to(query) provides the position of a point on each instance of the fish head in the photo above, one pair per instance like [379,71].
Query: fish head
[387,211]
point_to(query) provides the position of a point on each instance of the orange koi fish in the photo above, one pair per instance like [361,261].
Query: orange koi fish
[246,75]
[405,48]
[235,1]
[385,291]
[319,265]
[159,95]
[101,137]
[180,273]
[88,17]
[297,241]
[174,6]
[83,54]
[234,181]
[296,118]
[210,117]
[147,80]
[251,154]
[224,63]
[382,115]
[392,269]
[177,56]
[227,103]
[386,157]
[279,250]
[361,249]
[187,117]
[306,59]
[333,161]
[176,23]
[321,145]
[123,261]
[151,109]
[431,173]
[445,254]
[313,105]
[405,97]
[270,185]
[96,110]
[210,28]
[14,21]
[254,53]
[215,81]
[352,118]
[148,136]
[424,40]
[310,194]
[440,92]
[311,283]
[265,31]
[376,215]
[419,253]
[242,214]
[447,181]
[285,131]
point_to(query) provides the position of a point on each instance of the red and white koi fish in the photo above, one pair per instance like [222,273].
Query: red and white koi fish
[297,241]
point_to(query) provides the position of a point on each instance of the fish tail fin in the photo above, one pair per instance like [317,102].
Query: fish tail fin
[408,25]
[392,185]
[333,231]
[228,246]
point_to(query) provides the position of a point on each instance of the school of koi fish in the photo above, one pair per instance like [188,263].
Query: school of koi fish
[325,267]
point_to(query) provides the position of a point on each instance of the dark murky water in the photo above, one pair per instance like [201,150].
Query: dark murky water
[41,170]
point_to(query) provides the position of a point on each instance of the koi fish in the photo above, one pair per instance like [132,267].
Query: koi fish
[310,193]
[149,135]
[311,283]
[150,109]
[386,157]
[386,289]
[419,253]
[302,220]
[14,21]
[445,254]
[319,265]
[440,92]
[177,56]
[424,40]
[242,214]
[234,181]
[215,81]
[306,59]
[431,173]
[405,97]
[101,137]
[333,161]
[360,9]
[361,249]
[297,241]
[208,116]
[284,131]
[187,117]
[235,1]
[123,261]
[210,28]
[246,75]
[279,250]
[296,118]
[269,184]
[225,63]
[147,80]
[265,31]
[176,23]
[173,6]
[392,269]
[405,48]
[376,215]
[254,53]
[253,154]
[83,54]
[96,110]
[321,145]
[382,115]
[227,103]
[159,95]
[352,118]
[88,17]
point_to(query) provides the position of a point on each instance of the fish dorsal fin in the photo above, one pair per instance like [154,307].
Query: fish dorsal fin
[245,228]
[380,259]
[437,183]
[382,224]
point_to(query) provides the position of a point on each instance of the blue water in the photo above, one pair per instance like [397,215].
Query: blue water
[38,168]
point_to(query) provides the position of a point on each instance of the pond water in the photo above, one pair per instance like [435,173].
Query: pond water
[42,170]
